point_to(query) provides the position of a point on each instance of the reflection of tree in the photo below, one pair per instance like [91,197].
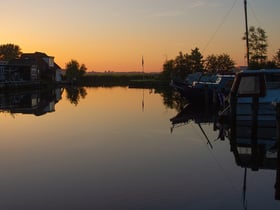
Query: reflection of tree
[172,99]
[74,94]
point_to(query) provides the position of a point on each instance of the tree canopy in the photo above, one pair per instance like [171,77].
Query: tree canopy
[9,52]
[74,70]
[257,39]
[185,64]
[219,63]
[276,59]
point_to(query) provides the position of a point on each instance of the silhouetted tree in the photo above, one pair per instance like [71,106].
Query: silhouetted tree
[168,70]
[74,70]
[276,59]
[183,65]
[9,52]
[219,63]
[257,47]
[196,61]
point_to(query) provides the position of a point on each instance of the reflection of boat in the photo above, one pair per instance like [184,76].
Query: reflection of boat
[256,147]
[197,114]
[253,125]
[192,112]
[37,102]
[200,88]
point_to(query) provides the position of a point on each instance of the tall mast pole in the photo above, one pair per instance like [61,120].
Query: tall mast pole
[247,33]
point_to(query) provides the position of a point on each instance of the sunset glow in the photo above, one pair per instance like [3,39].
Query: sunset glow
[114,35]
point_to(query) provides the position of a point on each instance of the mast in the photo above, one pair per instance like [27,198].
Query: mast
[247,33]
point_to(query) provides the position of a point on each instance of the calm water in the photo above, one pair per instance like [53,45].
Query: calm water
[115,148]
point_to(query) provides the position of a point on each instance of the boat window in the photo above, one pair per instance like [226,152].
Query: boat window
[273,80]
[249,85]
[273,77]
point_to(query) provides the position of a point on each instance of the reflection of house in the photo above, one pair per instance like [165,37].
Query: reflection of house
[37,102]
[31,68]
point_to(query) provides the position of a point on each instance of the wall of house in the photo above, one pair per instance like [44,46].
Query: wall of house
[49,61]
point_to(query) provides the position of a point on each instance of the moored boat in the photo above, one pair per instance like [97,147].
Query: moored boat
[200,88]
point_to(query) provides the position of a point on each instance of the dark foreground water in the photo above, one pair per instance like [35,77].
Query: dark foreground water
[115,148]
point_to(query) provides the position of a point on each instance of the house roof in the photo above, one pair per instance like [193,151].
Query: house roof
[38,56]
[35,55]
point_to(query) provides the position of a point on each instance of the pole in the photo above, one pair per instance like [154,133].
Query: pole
[247,33]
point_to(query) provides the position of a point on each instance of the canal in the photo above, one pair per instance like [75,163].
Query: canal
[116,148]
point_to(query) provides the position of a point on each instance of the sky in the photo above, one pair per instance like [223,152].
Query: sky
[113,35]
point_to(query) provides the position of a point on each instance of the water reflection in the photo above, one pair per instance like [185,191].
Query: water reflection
[254,144]
[37,102]
[172,99]
[75,94]
[124,158]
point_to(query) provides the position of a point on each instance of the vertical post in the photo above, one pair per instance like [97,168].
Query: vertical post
[254,133]
[277,184]
[143,66]
[247,33]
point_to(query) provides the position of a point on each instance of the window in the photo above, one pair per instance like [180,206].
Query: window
[249,85]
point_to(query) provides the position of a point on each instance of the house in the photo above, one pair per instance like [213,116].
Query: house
[3,65]
[22,70]
[35,67]
[49,70]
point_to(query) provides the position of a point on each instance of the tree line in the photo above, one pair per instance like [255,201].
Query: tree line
[184,64]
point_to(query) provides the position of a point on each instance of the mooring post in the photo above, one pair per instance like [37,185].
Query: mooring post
[277,183]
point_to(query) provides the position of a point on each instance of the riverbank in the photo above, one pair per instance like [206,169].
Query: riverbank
[131,79]
[110,79]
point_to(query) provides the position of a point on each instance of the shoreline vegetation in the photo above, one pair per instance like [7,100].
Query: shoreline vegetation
[130,79]
[98,79]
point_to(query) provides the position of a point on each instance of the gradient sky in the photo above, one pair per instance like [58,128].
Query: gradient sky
[114,34]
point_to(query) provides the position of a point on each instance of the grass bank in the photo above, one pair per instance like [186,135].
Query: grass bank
[123,79]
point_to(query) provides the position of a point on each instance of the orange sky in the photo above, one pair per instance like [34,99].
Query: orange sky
[114,35]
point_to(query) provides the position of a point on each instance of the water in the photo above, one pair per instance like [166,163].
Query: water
[113,148]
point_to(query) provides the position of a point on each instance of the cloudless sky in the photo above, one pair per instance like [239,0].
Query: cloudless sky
[115,34]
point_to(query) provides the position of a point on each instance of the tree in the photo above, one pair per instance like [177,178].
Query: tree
[168,70]
[183,65]
[74,70]
[196,60]
[219,63]
[257,47]
[276,58]
[9,52]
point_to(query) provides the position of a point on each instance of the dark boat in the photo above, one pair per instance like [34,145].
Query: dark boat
[200,88]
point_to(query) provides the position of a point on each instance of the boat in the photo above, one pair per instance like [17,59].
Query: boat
[255,95]
[204,88]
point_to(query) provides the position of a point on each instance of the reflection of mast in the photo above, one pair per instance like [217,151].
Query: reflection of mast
[208,141]
[143,99]
[244,189]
